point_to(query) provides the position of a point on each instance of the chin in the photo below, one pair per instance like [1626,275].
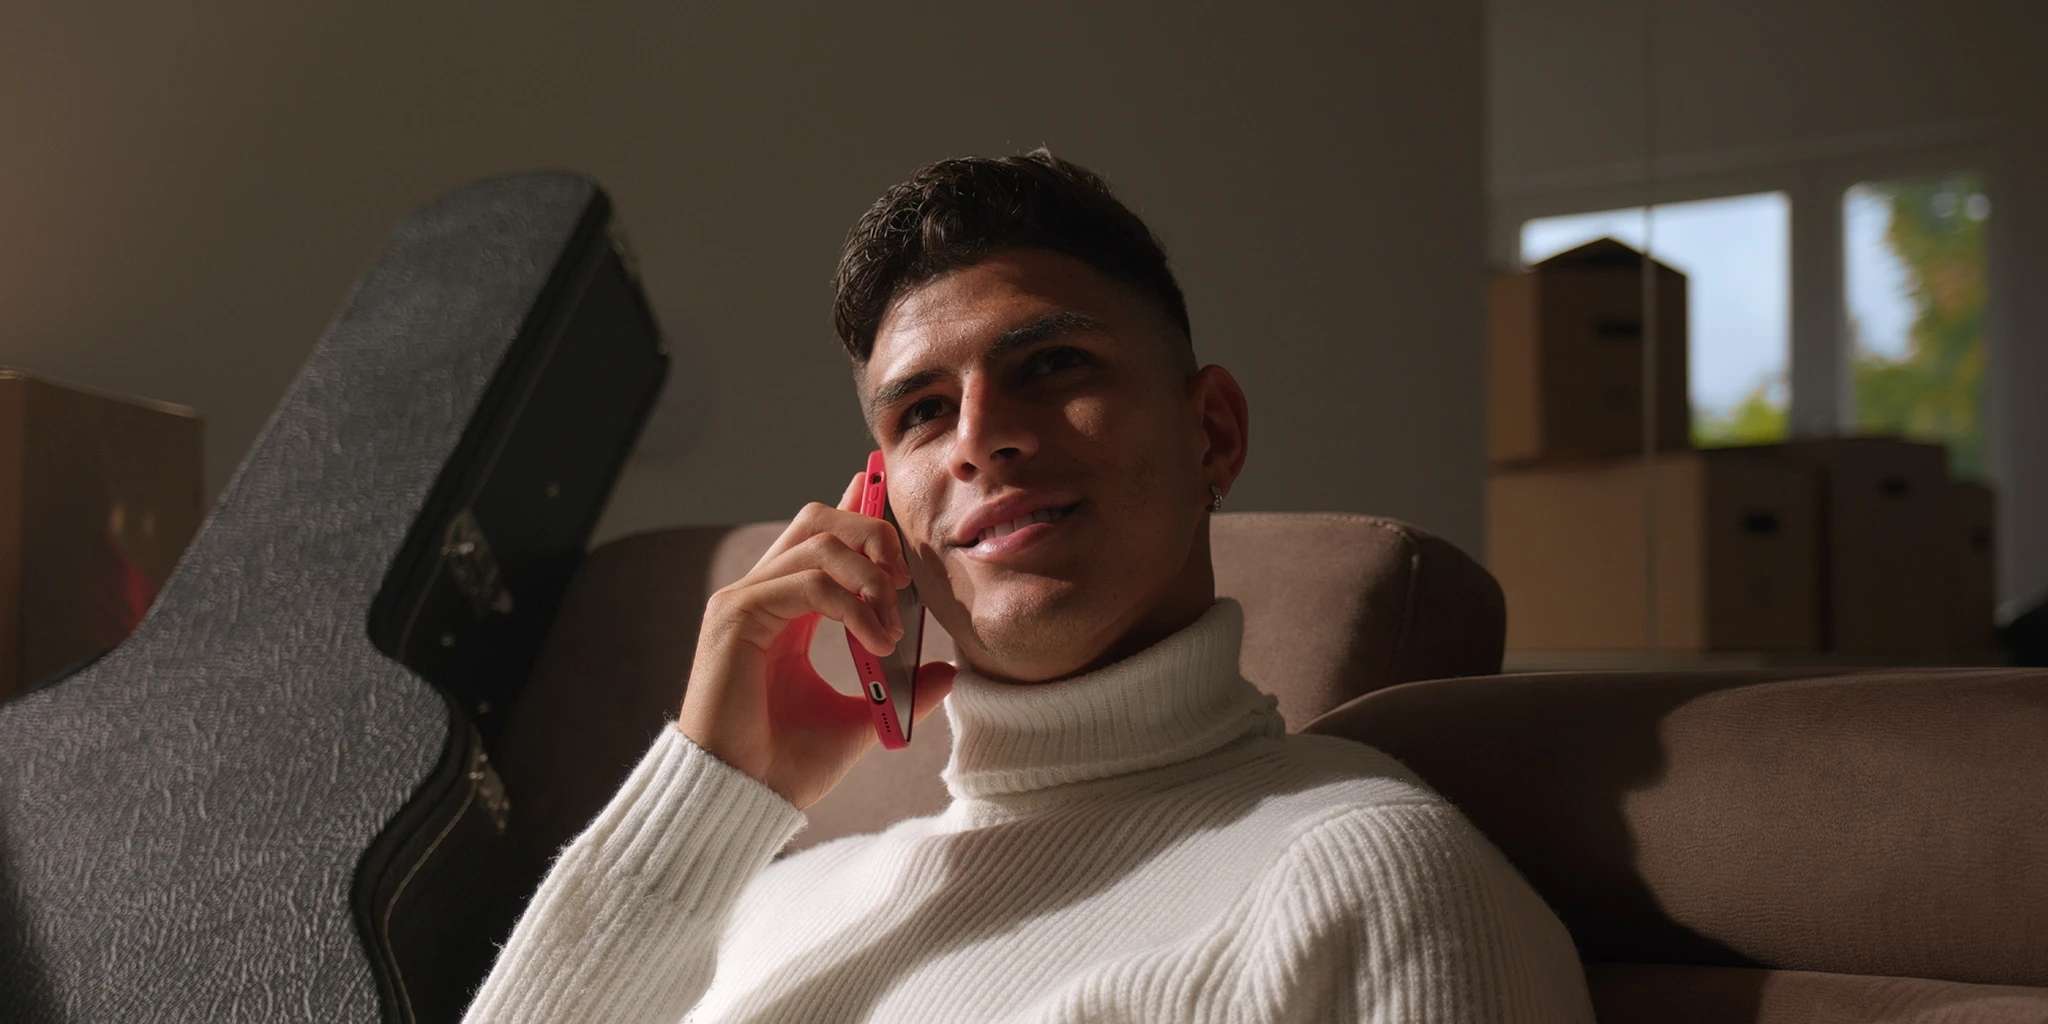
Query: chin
[1042,629]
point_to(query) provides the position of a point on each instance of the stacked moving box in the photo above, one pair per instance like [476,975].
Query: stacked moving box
[1856,545]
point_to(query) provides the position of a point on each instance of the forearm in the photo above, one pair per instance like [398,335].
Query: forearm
[625,927]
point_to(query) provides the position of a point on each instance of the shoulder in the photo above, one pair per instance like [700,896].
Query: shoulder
[1381,848]
[1367,820]
[1395,847]
[1393,880]
[1320,778]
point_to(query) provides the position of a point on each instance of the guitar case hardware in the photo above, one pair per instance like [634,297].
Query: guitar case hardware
[275,801]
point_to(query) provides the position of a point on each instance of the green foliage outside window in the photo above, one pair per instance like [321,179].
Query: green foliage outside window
[1933,392]
[1760,418]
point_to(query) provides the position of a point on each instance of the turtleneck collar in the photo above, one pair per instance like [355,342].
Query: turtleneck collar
[1172,702]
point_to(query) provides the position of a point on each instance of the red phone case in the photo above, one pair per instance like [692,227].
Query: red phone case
[889,700]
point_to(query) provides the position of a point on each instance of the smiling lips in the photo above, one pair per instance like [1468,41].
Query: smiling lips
[1044,515]
[1027,521]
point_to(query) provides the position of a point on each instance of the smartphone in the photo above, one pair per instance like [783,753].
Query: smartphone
[890,683]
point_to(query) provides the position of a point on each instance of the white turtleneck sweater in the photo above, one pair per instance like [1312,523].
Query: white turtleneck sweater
[1141,843]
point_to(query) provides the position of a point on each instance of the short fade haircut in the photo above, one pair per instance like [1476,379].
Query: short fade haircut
[955,213]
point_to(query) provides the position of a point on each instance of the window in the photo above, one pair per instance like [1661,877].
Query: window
[1914,272]
[1735,253]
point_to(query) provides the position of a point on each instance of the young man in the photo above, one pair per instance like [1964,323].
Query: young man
[1133,836]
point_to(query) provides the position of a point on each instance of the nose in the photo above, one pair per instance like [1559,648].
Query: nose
[994,432]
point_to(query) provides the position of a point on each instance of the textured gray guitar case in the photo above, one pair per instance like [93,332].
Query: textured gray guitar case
[274,801]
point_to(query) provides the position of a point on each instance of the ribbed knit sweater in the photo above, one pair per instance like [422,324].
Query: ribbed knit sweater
[1140,843]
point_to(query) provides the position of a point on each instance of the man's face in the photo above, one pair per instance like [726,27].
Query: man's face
[1050,450]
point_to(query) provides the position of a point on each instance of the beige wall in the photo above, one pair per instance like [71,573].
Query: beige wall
[1800,94]
[1766,79]
[186,196]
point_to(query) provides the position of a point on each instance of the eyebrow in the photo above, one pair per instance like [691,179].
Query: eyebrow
[1040,328]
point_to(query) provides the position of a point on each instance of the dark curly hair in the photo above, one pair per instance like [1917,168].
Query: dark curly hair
[953,213]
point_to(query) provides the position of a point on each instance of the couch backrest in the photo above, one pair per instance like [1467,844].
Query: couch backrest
[1887,823]
[1336,605]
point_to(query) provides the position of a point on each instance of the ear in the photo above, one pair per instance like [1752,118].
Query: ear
[1225,425]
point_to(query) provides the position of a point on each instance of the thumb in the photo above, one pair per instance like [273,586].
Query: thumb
[934,682]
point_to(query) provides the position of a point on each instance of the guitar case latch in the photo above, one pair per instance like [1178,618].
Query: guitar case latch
[467,554]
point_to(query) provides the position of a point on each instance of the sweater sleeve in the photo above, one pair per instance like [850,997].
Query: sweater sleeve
[1407,913]
[625,927]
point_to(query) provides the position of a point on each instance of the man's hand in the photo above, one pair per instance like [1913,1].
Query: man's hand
[753,699]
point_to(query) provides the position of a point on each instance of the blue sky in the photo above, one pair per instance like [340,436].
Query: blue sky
[1878,300]
[1736,254]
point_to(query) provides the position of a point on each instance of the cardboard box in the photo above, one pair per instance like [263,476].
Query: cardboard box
[1884,560]
[99,494]
[1734,542]
[1565,358]
[1973,565]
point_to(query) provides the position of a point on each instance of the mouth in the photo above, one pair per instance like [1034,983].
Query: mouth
[1044,515]
[1019,528]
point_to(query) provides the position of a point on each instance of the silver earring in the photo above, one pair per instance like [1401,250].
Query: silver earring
[1215,498]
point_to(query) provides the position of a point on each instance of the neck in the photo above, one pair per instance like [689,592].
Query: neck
[1174,701]
[1191,594]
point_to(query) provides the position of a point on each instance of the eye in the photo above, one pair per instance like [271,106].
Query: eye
[921,411]
[1053,360]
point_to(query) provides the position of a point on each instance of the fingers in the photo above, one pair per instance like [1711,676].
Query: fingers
[851,570]
[934,682]
[829,561]
[786,597]
[875,538]
[872,537]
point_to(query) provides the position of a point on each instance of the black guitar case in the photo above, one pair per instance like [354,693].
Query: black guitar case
[274,802]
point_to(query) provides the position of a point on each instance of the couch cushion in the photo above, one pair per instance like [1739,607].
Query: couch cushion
[1671,994]
[1883,823]
[1335,605]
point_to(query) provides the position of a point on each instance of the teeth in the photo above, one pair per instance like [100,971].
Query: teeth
[1044,515]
